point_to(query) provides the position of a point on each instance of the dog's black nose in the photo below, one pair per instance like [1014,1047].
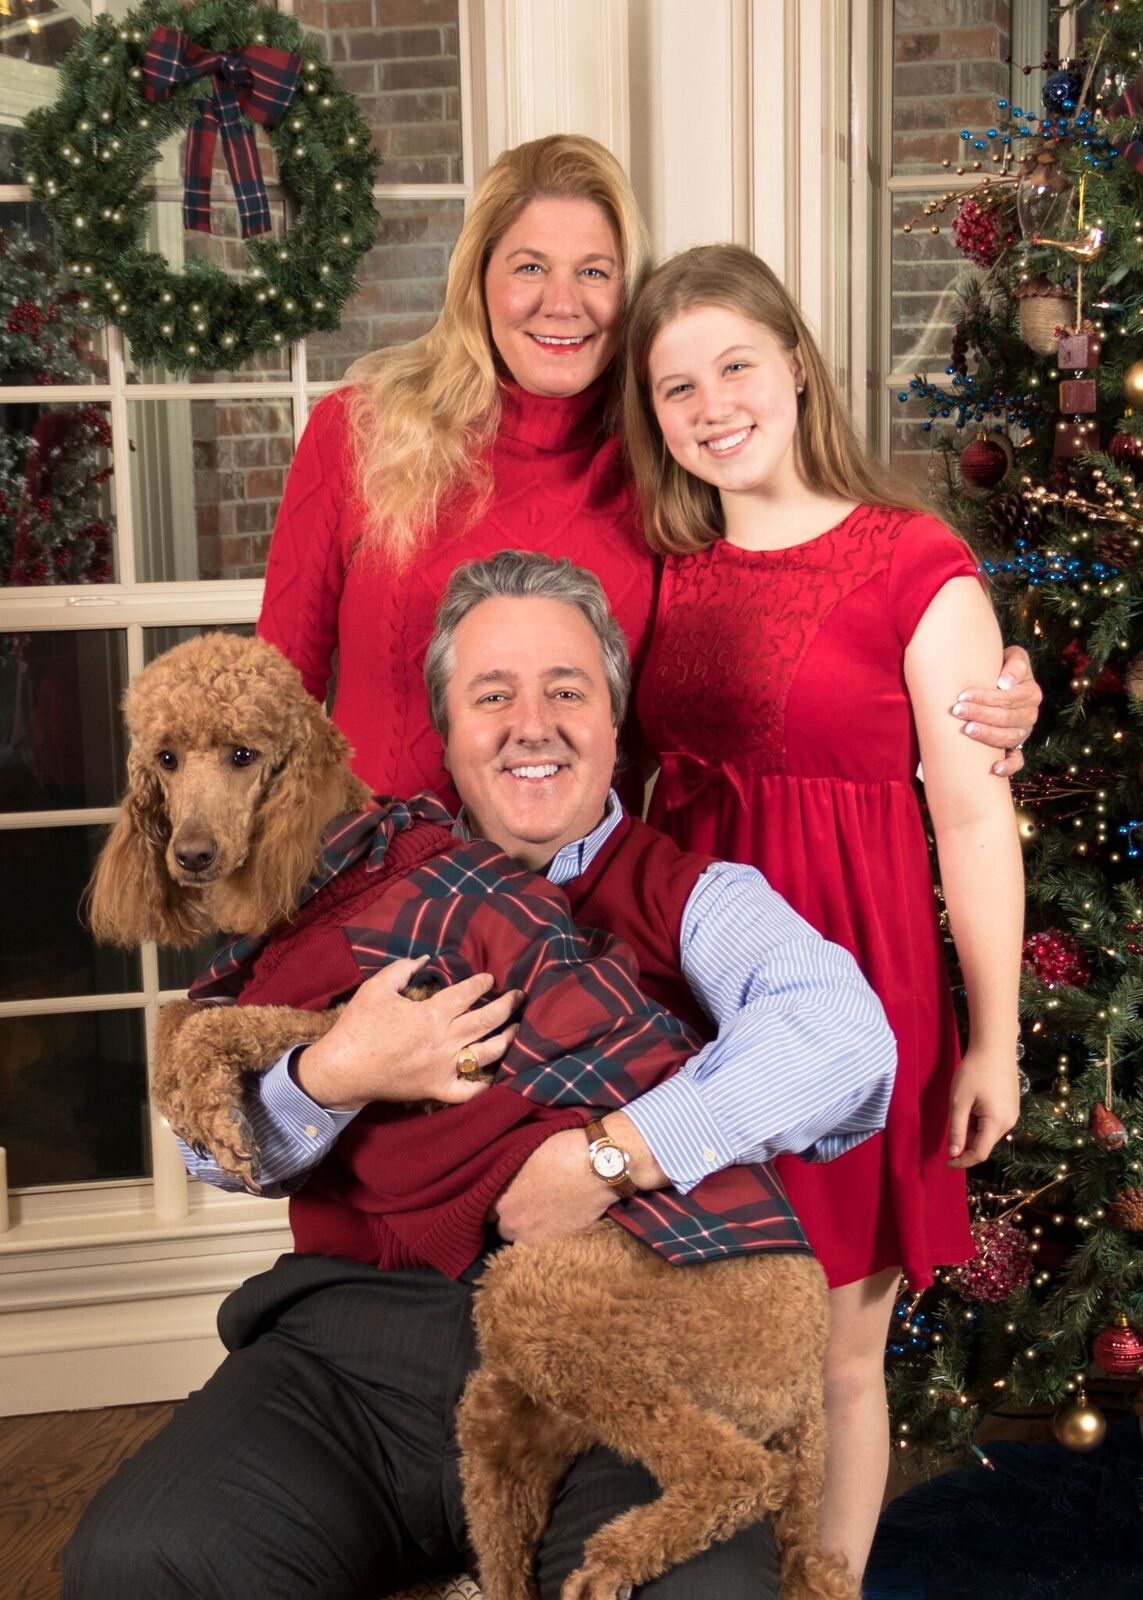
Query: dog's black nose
[195,855]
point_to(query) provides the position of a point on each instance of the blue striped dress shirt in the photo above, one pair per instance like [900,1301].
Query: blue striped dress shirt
[803,1060]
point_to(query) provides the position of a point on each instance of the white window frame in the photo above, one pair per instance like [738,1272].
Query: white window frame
[108,1290]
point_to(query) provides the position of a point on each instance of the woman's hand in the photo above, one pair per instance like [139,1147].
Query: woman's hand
[386,1047]
[1004,716]
[985,1104]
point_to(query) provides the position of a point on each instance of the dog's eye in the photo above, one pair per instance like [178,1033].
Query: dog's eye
[168,760]
[243,756]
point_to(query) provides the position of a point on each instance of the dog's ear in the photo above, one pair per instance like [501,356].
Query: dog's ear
[131,896]
[313,785]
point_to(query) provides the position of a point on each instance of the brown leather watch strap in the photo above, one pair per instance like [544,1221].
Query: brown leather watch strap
[623,1185]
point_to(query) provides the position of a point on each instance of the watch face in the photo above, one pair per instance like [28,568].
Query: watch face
[608,1161]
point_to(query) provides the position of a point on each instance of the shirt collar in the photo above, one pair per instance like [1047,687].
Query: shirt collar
[575,858]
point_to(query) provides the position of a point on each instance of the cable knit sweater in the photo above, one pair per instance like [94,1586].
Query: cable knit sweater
[559,485]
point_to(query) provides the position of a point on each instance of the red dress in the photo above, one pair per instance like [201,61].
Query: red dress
[774,692]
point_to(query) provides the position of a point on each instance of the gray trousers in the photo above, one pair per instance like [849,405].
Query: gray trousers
[320,1461]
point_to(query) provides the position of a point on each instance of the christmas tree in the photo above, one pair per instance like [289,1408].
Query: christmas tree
[1037,424]
[54,463]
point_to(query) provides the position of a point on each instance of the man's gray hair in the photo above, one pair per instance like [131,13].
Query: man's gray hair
[524,575]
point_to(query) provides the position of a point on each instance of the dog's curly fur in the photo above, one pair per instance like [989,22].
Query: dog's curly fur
[710,1375]
[233,775]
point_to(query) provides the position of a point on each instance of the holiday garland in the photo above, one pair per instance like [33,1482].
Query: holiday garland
[88,157]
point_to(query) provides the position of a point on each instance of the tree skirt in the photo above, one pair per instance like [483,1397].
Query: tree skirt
[1048,1524]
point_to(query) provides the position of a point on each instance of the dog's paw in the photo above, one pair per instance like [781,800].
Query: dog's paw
[594,1582]
[226,1135]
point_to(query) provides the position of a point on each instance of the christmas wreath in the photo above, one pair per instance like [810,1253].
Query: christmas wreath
[214,67]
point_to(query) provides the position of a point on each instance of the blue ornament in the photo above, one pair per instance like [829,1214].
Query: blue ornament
[1062,91]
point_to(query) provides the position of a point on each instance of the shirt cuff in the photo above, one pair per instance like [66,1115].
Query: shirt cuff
[290,1106]
[680,1132]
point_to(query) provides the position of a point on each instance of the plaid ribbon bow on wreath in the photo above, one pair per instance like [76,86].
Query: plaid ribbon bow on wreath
[256,83]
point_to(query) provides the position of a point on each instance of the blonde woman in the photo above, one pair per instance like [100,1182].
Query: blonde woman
[814,626]
[492,431]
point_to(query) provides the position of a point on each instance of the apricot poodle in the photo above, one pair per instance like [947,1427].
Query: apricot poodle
[709,1374]
[233,774]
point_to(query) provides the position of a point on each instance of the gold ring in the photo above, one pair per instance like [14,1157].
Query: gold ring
[467,1066]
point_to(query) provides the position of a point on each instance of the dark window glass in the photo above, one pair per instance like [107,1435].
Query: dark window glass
[47,949]
[61,733]
[75,1098]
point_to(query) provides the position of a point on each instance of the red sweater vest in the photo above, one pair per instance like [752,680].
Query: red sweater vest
[637,888]
[454,1163]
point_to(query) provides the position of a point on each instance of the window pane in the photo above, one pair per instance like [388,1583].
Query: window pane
[44,337]
[208,477]
[56,521]
[47,949]
[35,35]
[61,734]
[948,73]
[927,269]
[402,285]
[157,640]
[401,59]
[75,1101]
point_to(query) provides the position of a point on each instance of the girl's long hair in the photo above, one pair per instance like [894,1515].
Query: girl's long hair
[422,413]
[680,512]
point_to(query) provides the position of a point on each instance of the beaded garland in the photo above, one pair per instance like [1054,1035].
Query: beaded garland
[88,155]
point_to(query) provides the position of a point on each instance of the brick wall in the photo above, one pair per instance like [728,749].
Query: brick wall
[948,73]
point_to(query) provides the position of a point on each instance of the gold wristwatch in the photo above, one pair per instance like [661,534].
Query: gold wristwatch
[608,1161]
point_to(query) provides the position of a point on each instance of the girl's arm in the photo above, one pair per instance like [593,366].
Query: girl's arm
[957,641]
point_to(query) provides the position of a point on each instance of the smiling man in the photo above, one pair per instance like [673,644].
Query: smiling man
[324,1444]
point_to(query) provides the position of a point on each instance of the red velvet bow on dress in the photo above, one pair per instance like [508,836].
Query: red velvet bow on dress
[685,777]
[1130,104]
[255,83]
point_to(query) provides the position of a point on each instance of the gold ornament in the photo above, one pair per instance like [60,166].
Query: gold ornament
[1085,249]
[1078,1425]
[1027,827]
[1133,384]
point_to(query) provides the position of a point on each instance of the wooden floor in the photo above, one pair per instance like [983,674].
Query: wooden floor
[50,1466]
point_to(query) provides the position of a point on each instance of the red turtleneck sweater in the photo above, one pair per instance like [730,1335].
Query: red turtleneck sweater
[559,485]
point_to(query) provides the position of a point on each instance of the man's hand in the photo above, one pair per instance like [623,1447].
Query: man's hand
[1004,716]
[555,1191]
[385,1047]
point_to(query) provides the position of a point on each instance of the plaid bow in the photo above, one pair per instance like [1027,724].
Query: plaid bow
[1130,104]
[255,83]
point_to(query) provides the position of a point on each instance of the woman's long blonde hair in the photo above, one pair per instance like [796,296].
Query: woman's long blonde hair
[680,512]
[422,413]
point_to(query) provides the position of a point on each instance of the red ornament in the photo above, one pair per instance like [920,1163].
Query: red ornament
[984,462]
[1119,1349]
[1109,680]
[1106,1128]
[1056,957]
[1077,351]
[1002,1264]
[976,229]
[1126,449]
